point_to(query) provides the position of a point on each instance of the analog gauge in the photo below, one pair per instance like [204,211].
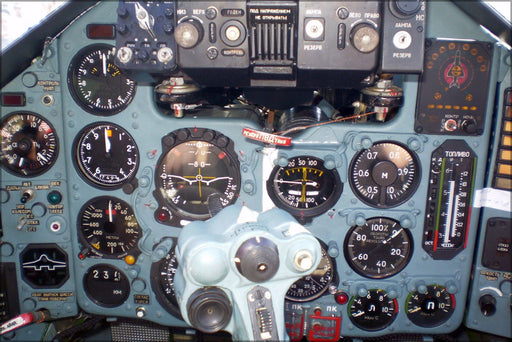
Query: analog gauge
[106,155]
[385,175]
[106,285]
[372,312]
[97,84]
[162,281]
[29,143]
[304,188]
[432,308]
[378,249]
[315,284]
[108,227]
[197,176]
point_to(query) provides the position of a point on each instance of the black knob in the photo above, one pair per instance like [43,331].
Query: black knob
[487,305]
[469,126]
[257,259]
[406,8]
[209,309]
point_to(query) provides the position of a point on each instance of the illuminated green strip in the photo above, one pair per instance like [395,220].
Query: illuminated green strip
[443,165]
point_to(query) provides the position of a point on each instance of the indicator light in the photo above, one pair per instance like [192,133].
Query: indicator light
[54,197]
[341,298]
[129,259]
[100,31]
[13,99]
[162,216]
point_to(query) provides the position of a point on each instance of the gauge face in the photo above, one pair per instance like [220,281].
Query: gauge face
[106,155]
[197,176]
[315,284]
[384,175]
[432,308]
[108,227]
[378,249]
[30,145]
[375,311]
[97,84]
[106,285]
[162,281]
[304,188]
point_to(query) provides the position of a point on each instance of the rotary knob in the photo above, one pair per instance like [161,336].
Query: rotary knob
[189,33]
[364,38]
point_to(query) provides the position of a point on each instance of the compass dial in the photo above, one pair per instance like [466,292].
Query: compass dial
[97,84]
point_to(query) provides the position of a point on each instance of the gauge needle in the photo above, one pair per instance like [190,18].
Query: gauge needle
[110,219]
[104,62]
[304,182]
[295,182]
[200,193]
[108,145]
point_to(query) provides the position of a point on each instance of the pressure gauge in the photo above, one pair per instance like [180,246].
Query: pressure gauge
[106,155]
[97,84]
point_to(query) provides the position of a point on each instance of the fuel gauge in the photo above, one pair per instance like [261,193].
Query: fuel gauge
[450,192]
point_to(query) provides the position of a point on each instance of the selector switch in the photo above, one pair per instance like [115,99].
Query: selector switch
[365,38]
[406,8]
[189,33]
[314,29]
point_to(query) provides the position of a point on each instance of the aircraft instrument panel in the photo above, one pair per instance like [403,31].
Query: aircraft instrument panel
[258,170]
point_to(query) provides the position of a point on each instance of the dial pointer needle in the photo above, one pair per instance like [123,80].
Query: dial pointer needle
[110,219]
[108,145]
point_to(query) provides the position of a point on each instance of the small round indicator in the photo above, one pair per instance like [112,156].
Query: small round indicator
[29,144]
[432,308]
[305,187]
[108,227]
[106,155]
[378,249]
[372,312]
[97,84]
[106,285]
[385,175]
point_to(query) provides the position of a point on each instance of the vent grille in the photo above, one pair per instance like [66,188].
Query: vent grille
[272,42]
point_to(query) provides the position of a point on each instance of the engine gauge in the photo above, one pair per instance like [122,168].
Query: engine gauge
[385,175]
[197,175]
[29,143]
[106,285]
[97,84]
[106,155]
[108,227]
[315,284]
[372,312]
[378,249]
[162,282]
[432,308]
[305,187]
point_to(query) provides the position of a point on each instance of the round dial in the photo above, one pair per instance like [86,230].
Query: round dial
[378,249]
[106,155]
[375,311]
[304,188]
[384,175]
[30,145]
[97,84]
[432,308]
[315,284]
[106,285]
[162,281]
[196,177]
[108,227]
